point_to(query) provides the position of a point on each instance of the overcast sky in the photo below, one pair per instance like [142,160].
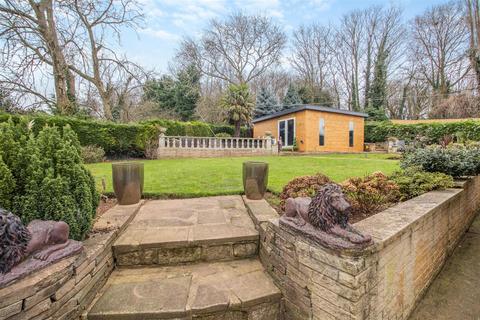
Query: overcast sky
[167,21]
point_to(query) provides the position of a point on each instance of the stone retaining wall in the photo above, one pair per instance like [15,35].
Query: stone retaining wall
[65,289]
[412,240]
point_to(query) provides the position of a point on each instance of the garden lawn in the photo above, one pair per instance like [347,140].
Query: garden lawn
[221,176]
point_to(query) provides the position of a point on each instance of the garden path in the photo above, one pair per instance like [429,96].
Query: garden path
[455,293]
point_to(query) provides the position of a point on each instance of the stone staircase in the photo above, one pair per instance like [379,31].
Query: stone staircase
[189,259]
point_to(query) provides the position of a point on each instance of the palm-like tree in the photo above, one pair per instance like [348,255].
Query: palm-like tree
[239,106]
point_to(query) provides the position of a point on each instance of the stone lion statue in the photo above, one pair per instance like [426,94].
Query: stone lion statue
[39,239]
[326,212]
[14,238]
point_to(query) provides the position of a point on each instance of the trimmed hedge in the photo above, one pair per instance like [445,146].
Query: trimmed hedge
[430,132]
[121,140]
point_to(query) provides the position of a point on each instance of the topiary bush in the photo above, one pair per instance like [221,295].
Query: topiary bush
[371,193]
[454,160]
[306,186]
[413,182]
[50,180]
[92,154]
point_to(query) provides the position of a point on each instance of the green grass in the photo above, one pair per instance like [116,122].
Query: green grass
[220,176]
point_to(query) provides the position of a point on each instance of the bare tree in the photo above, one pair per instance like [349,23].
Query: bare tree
[312,54]
[439,42]
[236,50]
[31,41]
[350,49]
[473,22]
[95,59]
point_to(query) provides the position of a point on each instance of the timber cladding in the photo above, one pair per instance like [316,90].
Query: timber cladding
[307,129]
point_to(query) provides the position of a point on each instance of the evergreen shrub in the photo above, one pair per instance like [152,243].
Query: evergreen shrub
[454,160]
[413,182]
[42,176]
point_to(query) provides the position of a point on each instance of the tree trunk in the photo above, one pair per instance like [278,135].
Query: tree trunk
[61,73]
[237,129]
[473,19]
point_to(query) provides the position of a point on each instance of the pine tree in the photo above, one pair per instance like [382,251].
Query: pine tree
[291,97]
[266,103]
[187,92]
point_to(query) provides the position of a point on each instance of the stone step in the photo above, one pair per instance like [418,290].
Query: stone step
[169,232]
[236,290]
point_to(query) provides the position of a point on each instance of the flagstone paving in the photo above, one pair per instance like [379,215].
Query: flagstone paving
[189,259]
[186,230]
[218,289]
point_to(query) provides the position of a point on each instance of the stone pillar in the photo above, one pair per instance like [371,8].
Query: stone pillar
[269,142]
[161,143]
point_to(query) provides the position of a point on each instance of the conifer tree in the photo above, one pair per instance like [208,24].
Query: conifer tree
[43,177]
[7,185]
[291,97]
[378,90]
[266,103]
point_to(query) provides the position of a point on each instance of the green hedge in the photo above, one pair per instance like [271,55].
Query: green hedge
[120,140]
[194,128]
[431,132]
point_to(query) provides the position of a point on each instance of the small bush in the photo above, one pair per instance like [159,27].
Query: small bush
[223,135]
[370,194]
[455,160]
[306,186]
[92,154]
[413,182]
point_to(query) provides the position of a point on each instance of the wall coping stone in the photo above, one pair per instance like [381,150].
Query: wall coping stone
[411,242]
[66,288]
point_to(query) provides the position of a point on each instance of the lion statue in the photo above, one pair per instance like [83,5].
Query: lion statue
[14,239]
[327,212]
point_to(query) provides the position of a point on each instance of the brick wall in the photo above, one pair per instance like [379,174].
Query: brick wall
[65,289]
[411,243]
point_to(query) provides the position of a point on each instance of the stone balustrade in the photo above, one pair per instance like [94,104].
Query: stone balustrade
[180,146]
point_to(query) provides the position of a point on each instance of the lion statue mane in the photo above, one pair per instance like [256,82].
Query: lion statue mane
[14,238]
[328,208]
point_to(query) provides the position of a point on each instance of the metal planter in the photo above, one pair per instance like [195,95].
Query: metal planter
[255,179]
[127,180]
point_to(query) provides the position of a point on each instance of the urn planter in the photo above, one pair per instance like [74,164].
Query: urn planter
[255,179]
[127,180]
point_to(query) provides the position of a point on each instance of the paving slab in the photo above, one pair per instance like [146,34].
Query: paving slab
[455,293]
[185,230]
[186,291]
